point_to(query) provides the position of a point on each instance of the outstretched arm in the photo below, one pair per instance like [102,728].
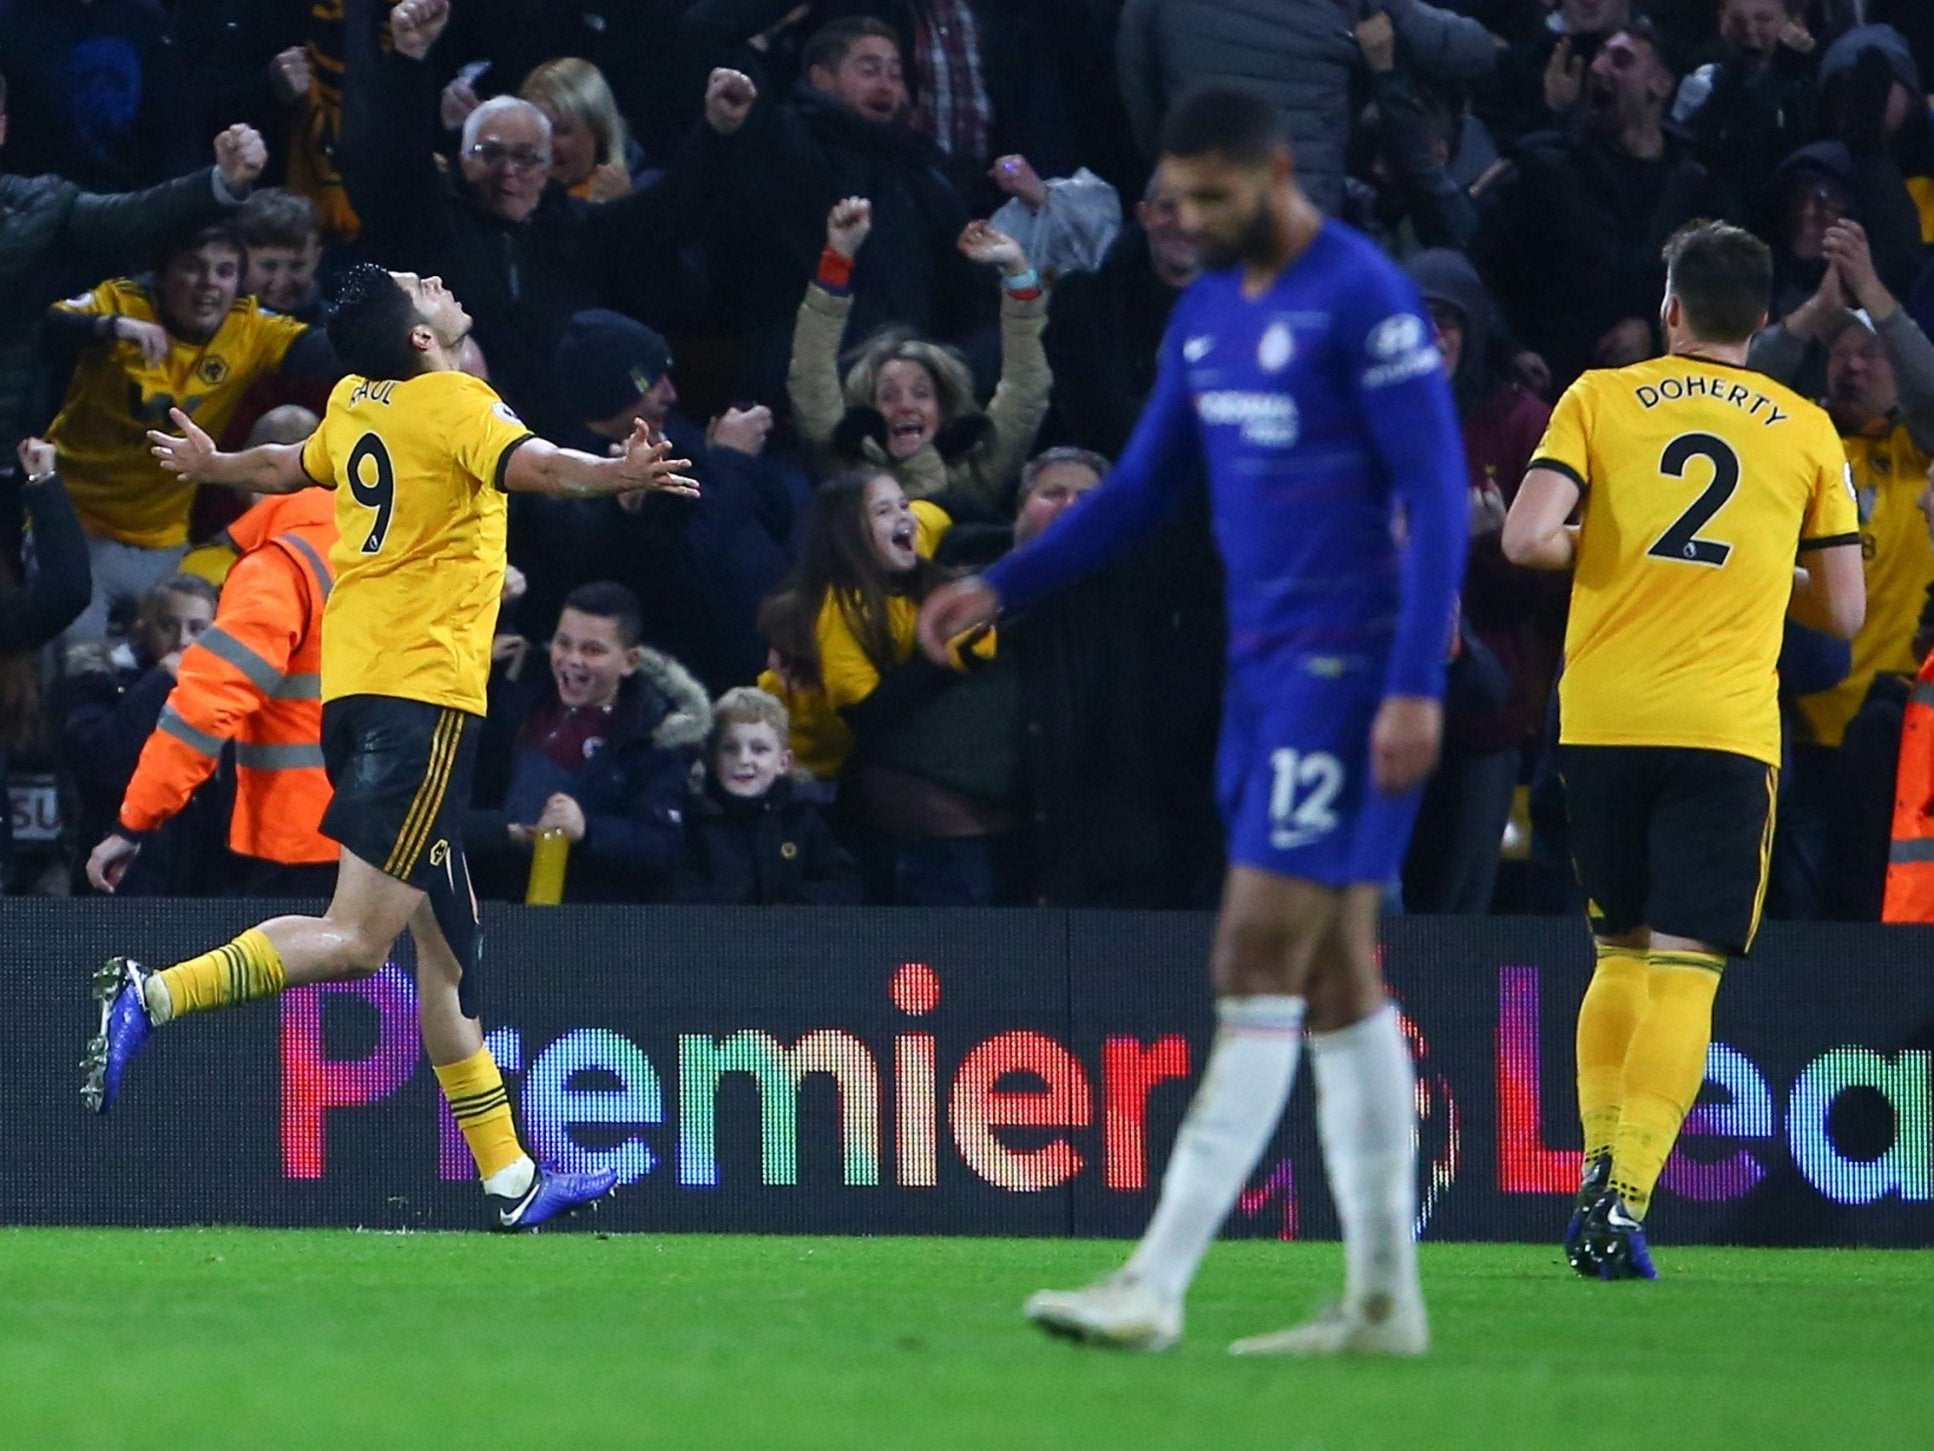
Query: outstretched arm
[269,468]
[1020,399]
[537,467]
[1138,494]
[106,231]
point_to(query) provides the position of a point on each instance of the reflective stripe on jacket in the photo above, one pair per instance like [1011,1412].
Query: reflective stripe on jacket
[1910,856]
[254,678]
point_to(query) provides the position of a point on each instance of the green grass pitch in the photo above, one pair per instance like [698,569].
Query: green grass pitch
[250,1338]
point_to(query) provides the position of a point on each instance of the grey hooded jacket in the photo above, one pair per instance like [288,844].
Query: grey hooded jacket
[1298,53]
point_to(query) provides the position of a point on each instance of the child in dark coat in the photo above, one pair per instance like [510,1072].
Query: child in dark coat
[749,838]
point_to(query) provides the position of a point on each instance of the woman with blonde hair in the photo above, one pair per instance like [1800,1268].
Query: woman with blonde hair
[907,405]
[588,134]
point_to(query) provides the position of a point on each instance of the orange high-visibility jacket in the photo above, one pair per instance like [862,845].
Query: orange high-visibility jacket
[1910,859]
[254,677]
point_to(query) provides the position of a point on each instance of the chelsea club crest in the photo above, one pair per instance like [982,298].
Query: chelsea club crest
[1278,346]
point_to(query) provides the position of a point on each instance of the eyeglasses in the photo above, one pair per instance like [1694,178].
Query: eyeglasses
[515,158]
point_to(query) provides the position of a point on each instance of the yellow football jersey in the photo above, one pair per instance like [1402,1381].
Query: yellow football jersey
[418,469]
[1702,481]
[116,396]
[1897,560]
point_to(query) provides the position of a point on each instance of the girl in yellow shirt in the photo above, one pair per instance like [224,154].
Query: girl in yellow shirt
[847,616]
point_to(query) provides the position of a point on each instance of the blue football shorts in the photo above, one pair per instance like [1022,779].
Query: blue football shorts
[1293,775]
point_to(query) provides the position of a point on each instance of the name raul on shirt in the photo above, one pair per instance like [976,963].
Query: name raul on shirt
[1719,390]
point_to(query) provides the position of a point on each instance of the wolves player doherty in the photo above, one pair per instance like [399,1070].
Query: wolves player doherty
[420,455]
[1302,371]
[1702,484]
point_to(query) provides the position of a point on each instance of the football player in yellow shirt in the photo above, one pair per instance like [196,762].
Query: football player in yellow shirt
[1702,485]
[421,456]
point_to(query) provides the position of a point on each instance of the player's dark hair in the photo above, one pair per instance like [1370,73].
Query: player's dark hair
[838,560]
[369,324]
[1223,120]
[277,217]
[828,45]
[1723,278]
[608,600]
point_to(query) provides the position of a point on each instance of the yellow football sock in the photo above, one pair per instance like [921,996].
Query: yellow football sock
[248,967]
[1663,1070]
[1614,1003]
[481,1108]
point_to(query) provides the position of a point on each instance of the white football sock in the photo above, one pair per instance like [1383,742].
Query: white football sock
[512,1180]
[1366,1116]
[1229,1122]
[155,998]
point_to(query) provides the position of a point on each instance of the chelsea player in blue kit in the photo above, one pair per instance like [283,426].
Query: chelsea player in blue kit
[1302,371]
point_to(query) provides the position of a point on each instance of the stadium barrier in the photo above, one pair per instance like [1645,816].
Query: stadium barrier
[868,1071]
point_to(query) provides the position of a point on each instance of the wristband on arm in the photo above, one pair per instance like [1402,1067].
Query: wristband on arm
[1023,286]
[835,270]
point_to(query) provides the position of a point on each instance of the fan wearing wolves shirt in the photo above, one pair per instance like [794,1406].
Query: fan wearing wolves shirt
[1301,371]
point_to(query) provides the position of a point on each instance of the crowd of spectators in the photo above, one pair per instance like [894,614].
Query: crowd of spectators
[893,274]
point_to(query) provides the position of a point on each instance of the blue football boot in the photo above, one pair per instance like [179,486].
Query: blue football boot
[552,1193]
[1595,1180]
[118,986]
[1615,1241]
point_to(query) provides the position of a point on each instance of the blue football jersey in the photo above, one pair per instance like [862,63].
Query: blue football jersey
[1322,416]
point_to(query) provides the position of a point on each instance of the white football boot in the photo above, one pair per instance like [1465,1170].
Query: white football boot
[1122,1311]
[1401,1329]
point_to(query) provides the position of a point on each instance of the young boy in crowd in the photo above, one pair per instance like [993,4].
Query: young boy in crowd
[601,746]
[748,837]
[109,702]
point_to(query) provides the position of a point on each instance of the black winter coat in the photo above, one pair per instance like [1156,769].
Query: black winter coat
[48,601]
[632,792]
[700,567]
[106,712]
[772,851]
[797,158]
[1572,238]
[1119,698]
[520,282]
[1103,340]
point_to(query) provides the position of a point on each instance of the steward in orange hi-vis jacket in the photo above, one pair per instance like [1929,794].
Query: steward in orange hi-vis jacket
[1910,858]
[254,677]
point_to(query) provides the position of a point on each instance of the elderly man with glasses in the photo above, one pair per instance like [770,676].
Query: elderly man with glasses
[522,254]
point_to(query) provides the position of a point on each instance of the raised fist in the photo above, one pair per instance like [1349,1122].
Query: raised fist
[454,106]
[415,25]
[847,225]
[729,95]
[1564,79]
[240,155]
[289,74]
[1016,176]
